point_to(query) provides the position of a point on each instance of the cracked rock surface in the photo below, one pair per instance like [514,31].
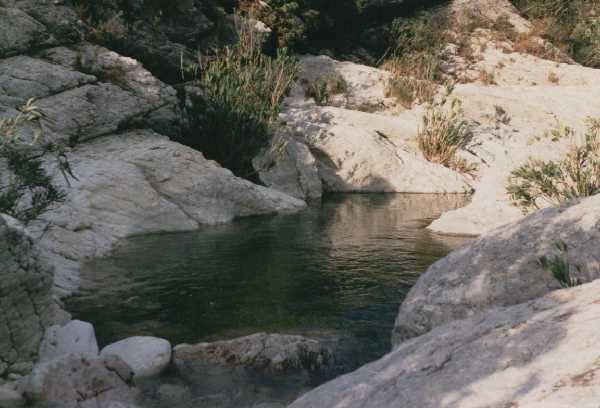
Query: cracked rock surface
[26,299]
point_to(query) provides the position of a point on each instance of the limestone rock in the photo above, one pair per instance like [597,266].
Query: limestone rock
[74,381]
[74,337]
[502,268]
[19,32]
[289,166]
[26,303]
[252,370]
[270,352]
[147,356]
[509,357]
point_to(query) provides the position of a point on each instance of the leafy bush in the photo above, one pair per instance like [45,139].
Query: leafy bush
[27,191]
[572,24]
[243,90]
[560,267]
[443,133]
[538,183]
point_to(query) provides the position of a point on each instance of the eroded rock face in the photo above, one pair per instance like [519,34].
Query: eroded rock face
[502,268]
[508,357]
[26,302]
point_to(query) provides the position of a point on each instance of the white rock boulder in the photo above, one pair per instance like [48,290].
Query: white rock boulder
[74,337]
[147,356]
[503,268]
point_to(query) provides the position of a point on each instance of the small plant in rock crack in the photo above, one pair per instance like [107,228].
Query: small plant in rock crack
[323,89]
[26,190]
[443,132]
[539,183]
[560,267]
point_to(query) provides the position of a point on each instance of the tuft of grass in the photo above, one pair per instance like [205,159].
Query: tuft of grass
[442,133]
[243,89]
[553,78]
[560,267]
[539,183]
[322,89]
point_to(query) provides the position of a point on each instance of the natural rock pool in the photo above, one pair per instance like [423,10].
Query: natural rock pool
[343,266]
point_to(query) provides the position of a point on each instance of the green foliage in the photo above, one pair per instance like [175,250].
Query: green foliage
[538,183]
[442,133]
[560,267]
[28,191]
[243,90]
[416,57]
[301,25]
[572,24]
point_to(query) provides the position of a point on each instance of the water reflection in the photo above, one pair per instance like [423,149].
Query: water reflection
[344,264]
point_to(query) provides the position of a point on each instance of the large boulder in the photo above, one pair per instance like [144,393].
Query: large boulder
[74,337]
[75,380]
[503,268]
[509,357]
[147,356]
[136,183]
[26,302]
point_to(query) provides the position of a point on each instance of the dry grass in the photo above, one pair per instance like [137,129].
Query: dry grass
[443,132]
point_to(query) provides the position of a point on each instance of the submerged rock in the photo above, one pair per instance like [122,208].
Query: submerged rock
[147,356]
[509,357]
[503,268]
[268,352]
[252,370]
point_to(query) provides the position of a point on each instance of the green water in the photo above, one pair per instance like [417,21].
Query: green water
[343,265]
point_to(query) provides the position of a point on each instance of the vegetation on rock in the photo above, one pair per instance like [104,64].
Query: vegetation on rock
[573,25]
[443,132]
[540,183]
[243,89]
[26,190]
[560,267]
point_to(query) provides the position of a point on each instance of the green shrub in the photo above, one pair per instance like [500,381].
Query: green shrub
[442,133]
[560,267]
[539,183]
[243,90]
[27,191]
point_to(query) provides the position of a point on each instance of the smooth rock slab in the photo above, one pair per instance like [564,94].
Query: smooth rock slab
[502,268]
[74,337]
[541,354]
[147,356]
